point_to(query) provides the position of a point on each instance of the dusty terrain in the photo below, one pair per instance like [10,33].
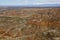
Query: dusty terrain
[30,24]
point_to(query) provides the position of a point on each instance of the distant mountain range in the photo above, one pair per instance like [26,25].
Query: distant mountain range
[32,6]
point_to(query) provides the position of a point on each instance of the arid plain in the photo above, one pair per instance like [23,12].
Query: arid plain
[29,23]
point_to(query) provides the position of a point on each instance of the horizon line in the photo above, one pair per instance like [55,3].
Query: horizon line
[39,5]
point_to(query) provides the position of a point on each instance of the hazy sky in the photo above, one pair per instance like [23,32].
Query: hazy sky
[28,2]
